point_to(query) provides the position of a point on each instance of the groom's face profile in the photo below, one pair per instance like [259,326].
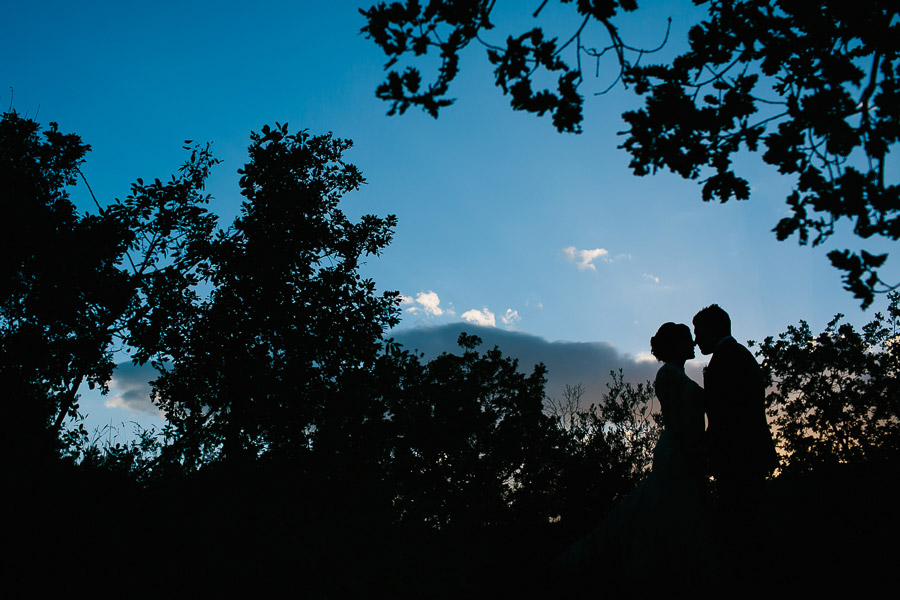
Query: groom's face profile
[704,339]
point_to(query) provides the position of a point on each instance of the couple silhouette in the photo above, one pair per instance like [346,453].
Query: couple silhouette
[671,524]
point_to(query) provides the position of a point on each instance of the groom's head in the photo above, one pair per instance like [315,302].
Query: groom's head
[710,325]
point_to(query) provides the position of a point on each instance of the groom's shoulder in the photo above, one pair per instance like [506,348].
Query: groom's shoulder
[731,350]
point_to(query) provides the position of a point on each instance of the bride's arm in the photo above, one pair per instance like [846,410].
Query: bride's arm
[694,425]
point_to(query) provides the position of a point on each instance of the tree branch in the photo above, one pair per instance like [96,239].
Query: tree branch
[539,9]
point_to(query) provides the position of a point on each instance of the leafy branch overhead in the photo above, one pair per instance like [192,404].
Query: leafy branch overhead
[813,88]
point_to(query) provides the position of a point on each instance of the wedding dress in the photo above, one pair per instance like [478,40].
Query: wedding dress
[662,526]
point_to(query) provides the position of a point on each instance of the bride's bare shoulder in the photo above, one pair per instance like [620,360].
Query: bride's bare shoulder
[668,373]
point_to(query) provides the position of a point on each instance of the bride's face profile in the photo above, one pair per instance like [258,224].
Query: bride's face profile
[686,343]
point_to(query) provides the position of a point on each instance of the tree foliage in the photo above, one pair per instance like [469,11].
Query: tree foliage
[76,286]
[466,442]
[257,365]
[835,396]
[608,445]
[60,287]
[813,88]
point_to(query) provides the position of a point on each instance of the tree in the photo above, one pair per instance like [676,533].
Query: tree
[567,410]
[835,396]
[263,364]
[469,444]
[76,288]
[608,449]
[814,88]
[59,285]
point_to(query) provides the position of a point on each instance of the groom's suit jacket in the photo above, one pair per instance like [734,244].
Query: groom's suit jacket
[740,444]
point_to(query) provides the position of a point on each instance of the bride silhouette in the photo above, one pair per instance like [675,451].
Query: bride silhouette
[661,527]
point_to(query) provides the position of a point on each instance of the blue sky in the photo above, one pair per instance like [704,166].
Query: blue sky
[502,221]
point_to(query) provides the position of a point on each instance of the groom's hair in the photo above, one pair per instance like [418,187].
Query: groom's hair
[714,319]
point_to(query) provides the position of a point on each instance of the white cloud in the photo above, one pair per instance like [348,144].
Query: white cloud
[645,357]
[482,317]
[650,277]
[405,300]
[511,317]
[584,259]
[428,302]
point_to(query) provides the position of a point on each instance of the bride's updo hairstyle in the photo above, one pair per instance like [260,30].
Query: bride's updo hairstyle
[669,342]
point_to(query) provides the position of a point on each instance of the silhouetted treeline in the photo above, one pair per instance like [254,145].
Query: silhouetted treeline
[302,447]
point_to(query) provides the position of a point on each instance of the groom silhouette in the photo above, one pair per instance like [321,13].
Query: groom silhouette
[741,450]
